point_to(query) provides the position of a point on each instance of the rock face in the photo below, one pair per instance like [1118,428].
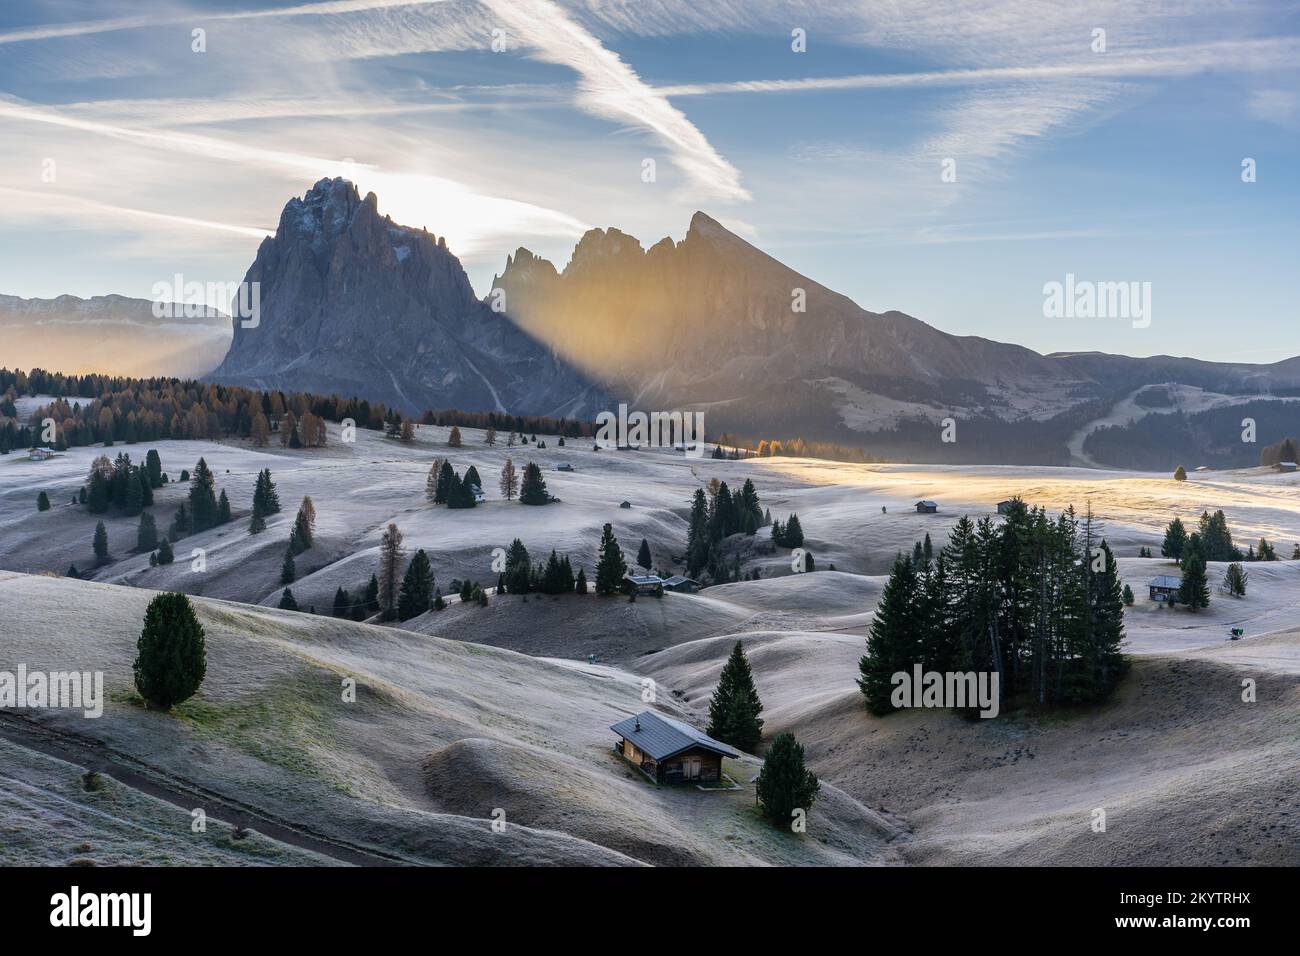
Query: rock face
[110,334]
[713,323]
[355,304]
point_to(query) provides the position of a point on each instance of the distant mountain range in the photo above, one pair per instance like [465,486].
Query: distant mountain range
[355,304]
[112,334]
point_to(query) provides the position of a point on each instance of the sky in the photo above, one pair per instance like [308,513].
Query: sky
[945,159]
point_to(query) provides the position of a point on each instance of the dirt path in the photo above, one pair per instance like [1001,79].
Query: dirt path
[91,755]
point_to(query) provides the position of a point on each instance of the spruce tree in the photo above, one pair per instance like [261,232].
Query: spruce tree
[793,533]
[223,508]
[342,602]
[101,543]
[611,567]
[165,553]
[580,585]
[153,467]
[1234,579]
[1195,591]
[257,523]
[785,784]
[42,502]
[288,572]
[203,499]
[288,602]
[518,568]
[893,642]
[643,557]
[532,490]
[303,530]
[146,535]
[472,480]
[416,592]
[146,489]
[697,534]
[446,481]
[1128,596]
[1175,540]
[171,659]
[431,482]
[734,707]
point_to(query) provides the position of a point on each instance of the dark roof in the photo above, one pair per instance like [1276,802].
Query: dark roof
[928,504]
[643,578]
[1166,581]
[661,737]
[677,579]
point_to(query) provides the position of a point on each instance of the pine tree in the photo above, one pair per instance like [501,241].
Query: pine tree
[460,494]
[643,557]
[698,544]
[1195,591]
[454,439]
[153,466]
[785,784]
[532,490]
[390,570]
[203,499]
[1180,473]
[342,602]
[1128,596]
[580,585]
[446,480]
[416,593]
[793,533]
[1234,579]
[165,553]
[97,499]
[472,480]
[223,508]
[72,572]
[431,482]
[171,659]
[611,567]
[510,480]
[518,568]
[101,544]
[892,644]
[288,602]
[734,707]
[304,525]
[42,502]
[371,601]
[1175,540]
[1266,552]
[146,535]
[408,431]
[257,523]
[146,489]
[288,572]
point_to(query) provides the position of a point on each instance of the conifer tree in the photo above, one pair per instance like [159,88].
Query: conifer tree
[390,570]
[1195,591]
[416,593]
[342,602]
[304,525]
[223,508]
[203,499]
[1234,580]
[446,480]
[42,502]
[1128,596]
[1180,473]
[454,439]
[734,707]
[1266,552]
[171,659]
[611,567]
[257,523]
[518,568]
[371,600]
[153,466]
[288,602]
[580,585]
[101,543]
[288,572]
[1175,539]
[165,553]
[472,480]
[509,480]
[792,536]
[532,490]
[431,482]
[893,642]
[785,783]
[146,535]
[146,489]
[697,534]
[643,557]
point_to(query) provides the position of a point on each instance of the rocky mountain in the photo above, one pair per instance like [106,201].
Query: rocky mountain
[355,304]
[715,324]
[112,334]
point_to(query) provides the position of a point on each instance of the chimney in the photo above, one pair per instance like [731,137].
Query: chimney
[637,728]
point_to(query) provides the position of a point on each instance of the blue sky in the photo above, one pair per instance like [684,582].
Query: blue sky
[129,157]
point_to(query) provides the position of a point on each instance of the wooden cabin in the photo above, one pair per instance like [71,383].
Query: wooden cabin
[1285,466]
[927,507]
[1004,507]
[668,750]
[682,584]
[1165,587]
[643,585]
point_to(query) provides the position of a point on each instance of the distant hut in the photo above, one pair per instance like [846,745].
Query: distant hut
[1285,466]
[643,585]
[670,751]
[626,504]
[682,584]
[926,507]
[1004,507]
[1165,587]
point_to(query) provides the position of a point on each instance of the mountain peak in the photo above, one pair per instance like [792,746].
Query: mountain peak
[704,225]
